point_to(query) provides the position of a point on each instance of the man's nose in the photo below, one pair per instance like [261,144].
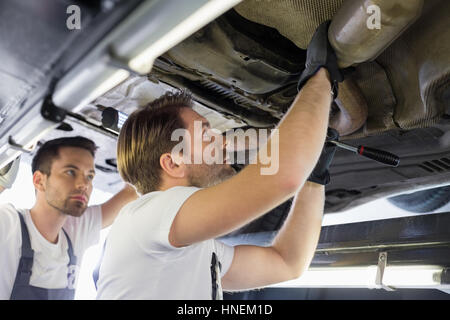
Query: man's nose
[82,183]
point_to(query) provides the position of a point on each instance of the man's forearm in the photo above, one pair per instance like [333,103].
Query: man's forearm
[111,208]
[297,240]
[302,131]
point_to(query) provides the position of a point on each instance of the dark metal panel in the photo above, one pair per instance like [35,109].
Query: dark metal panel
[416,240]
[32,34]
[356,180]
[432,228]
[427,256]
[36,48]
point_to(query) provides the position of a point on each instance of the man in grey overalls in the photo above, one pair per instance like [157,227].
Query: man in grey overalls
[41,248]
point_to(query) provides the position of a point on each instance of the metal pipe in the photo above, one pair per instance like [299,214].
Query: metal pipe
[345,146]
[353,109]
[362,29]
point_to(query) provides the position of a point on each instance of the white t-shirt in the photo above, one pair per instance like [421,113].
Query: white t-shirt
[140,263]
[50,260]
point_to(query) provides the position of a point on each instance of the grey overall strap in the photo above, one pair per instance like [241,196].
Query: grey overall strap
[72,257]
[22,290]
[26,262]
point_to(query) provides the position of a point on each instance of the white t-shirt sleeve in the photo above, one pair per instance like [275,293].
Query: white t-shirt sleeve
[9,221]
[225,254]
[162,210]
[84,231]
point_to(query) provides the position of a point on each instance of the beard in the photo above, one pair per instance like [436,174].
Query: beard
[204,175]
[66,205]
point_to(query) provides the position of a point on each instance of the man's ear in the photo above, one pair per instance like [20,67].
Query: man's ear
[39,180]
[175,168]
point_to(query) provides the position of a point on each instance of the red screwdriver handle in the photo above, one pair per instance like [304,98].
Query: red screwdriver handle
[379,155]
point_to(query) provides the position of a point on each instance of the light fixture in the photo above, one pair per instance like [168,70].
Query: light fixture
[412,276]
[151,29]
[191,22]
[420,276]
[115,79]
[113,119]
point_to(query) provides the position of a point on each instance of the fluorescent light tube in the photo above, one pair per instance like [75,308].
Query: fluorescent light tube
[417,276]
[143,62]
[364,277]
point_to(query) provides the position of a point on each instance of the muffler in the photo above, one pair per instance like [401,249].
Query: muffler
[359,32]
[362,29]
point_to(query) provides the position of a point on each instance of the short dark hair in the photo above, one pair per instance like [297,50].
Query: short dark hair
[43,158]
[146,135]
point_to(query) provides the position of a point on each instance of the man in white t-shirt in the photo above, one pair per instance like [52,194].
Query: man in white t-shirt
[41,248]
[162,245]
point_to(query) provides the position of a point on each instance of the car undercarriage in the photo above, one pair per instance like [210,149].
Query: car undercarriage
[242,68]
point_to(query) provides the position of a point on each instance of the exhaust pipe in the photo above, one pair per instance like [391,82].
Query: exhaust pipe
[362,29]
[352,109]
[359,32]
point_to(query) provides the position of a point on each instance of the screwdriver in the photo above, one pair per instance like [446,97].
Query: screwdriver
[371,153]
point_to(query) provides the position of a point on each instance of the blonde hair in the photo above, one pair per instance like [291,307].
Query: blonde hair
[145,136]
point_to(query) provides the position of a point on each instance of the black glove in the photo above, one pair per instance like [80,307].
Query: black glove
[321,54]
[320,173]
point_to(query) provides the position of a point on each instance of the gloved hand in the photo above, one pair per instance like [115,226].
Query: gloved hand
[320,174]
[320,54]
[8,173]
